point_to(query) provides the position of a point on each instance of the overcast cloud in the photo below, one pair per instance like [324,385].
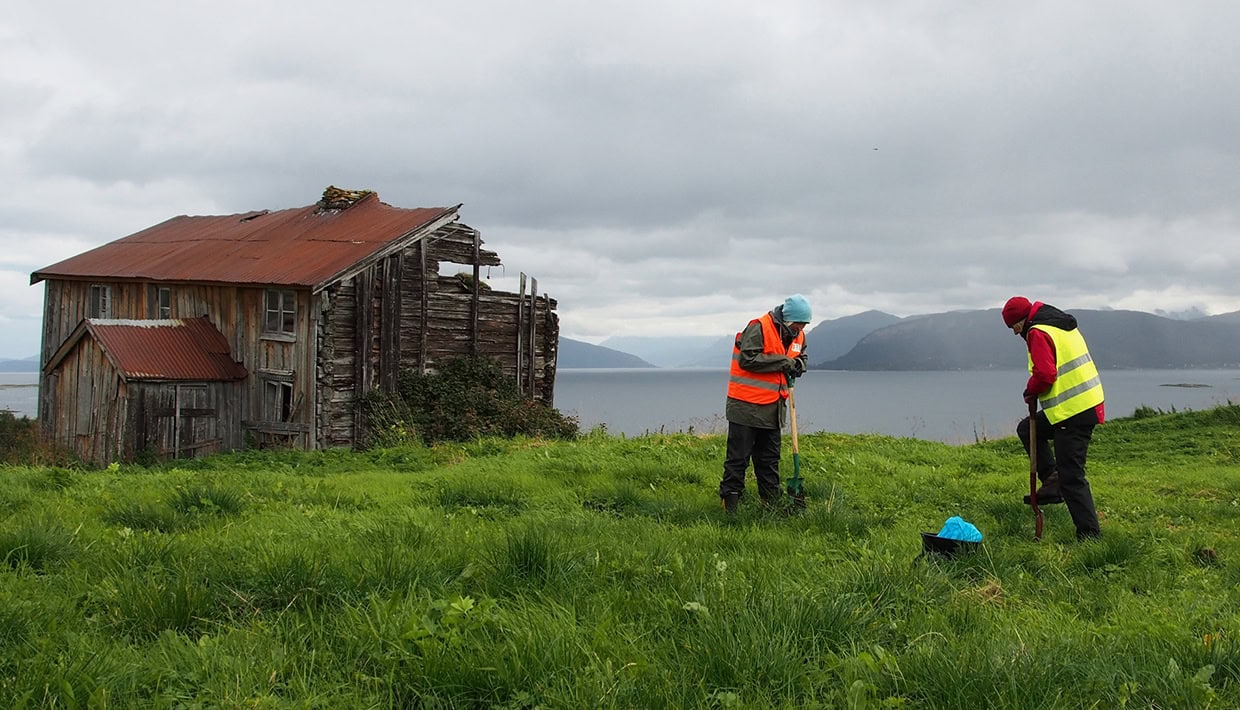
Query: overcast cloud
[661,167]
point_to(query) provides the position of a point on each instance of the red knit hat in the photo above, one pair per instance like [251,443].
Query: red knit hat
[1015,310]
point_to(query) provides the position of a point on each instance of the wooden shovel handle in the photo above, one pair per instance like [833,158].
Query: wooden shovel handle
[1033,470]
[792,419]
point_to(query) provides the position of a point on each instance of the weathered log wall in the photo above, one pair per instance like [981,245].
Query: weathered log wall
[336,404]
[402,314]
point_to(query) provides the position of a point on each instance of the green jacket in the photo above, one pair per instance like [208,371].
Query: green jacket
[762,416]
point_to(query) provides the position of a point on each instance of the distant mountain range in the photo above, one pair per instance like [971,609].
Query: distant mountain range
[574,353]
[831,339]
[30,364]
[828,340]
[676,351]
[974,340]
[957,340]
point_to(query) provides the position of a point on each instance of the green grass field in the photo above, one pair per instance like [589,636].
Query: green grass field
[602,573]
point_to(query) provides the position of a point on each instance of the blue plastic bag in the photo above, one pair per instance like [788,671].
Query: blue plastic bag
[957,528]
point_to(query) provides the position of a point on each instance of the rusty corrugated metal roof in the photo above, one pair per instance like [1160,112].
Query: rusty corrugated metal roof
[181,349]
[305,246]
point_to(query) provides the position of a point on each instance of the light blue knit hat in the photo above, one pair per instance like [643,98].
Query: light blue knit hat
[796,309]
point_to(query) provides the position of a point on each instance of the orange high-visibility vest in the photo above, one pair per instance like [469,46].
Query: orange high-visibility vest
[762,387]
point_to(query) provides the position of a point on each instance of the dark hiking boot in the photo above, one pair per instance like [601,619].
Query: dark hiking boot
[1048,492]
[730,501]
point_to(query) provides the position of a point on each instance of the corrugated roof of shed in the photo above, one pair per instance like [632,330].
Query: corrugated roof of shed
[177,349]
[305,246]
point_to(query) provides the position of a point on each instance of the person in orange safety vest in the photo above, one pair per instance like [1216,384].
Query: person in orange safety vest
[766,357]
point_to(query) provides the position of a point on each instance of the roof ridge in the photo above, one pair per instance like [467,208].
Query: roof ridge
[337,198]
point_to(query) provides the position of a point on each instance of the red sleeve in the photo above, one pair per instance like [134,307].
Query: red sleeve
[1042,351]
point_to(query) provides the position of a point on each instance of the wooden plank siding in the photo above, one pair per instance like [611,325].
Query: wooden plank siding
[180,420]
[114,420]
[238,313]
[90,427]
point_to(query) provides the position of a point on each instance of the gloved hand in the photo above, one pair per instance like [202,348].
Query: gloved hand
[792,370]
[1030,398]
[794,367]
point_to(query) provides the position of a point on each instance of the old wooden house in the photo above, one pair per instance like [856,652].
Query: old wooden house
[209,333]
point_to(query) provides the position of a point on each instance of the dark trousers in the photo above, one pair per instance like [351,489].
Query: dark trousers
[747,443]
[1071,439]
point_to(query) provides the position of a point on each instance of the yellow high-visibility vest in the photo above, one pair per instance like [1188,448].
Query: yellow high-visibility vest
[1077,387]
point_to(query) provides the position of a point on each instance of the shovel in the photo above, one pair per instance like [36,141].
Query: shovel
[796,487]
[1033,469]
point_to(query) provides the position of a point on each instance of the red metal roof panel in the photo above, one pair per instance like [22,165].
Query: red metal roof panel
[304,246]
[189,349]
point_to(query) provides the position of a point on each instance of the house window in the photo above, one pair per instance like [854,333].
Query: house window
[278,401]
[281,312]
[100,302]
[158,301]
[163,302]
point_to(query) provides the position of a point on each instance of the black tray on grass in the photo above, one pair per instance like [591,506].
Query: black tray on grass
[932,544]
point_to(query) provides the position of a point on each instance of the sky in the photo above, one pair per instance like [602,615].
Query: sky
[666,167]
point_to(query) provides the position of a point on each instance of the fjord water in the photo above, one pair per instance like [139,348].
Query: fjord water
[19,393]
[957,407]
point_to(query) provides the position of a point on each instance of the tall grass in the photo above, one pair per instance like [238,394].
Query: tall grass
[601,572]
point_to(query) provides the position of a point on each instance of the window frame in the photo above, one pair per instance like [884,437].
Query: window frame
[99,301]
[163,302]
[282,314]
[159,302]
[278,398]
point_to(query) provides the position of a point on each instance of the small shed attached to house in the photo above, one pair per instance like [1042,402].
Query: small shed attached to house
[316,305]
[159,388]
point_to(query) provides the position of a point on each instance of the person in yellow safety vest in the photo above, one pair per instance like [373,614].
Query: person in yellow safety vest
[1064,379]
[766,357]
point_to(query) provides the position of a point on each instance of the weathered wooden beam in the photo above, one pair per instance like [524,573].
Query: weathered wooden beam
[476,286]
[185,412]
[389,327]
[424,305]
[520,334]
[533,331]
[276,427]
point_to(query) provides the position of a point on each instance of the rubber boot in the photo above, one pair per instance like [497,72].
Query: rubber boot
[730,501]
[1048,492]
